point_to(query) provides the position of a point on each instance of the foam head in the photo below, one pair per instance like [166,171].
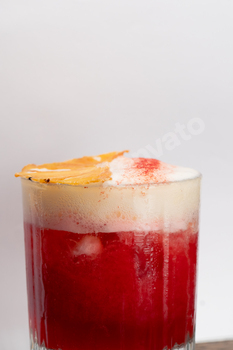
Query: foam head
[137,194]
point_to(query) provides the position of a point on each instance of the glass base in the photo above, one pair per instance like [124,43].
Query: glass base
[189,346]
[35,346]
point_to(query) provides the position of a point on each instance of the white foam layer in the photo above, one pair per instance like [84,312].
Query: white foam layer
[131,171]
[110,207]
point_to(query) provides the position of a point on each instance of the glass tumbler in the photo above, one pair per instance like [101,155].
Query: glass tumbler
[111,267]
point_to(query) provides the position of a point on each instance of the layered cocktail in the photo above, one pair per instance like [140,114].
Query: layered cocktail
[111,254]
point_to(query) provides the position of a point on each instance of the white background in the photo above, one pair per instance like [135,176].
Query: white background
[86,77]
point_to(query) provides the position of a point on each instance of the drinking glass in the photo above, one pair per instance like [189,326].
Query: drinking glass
[111,267]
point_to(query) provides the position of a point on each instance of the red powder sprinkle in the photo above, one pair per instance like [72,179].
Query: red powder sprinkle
[146,165]
[146,169]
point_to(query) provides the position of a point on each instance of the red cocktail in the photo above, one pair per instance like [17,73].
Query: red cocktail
[112,266]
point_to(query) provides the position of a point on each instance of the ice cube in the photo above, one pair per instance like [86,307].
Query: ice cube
[88,245]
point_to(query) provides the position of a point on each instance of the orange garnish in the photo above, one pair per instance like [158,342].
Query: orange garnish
[78,171]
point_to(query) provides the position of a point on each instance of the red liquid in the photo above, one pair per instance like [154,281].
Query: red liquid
[111,291]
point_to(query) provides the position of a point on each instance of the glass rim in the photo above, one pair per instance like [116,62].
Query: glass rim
[107,185]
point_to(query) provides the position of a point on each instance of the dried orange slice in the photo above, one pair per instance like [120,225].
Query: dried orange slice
[78,171]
